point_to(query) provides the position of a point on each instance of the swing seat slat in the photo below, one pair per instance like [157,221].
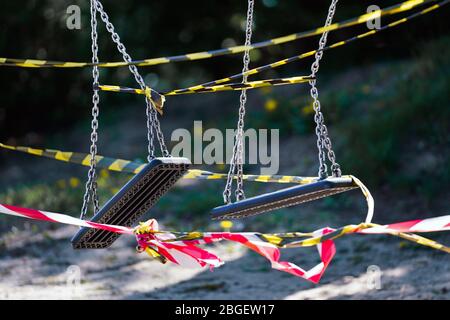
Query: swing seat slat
[132,201]
[283,198]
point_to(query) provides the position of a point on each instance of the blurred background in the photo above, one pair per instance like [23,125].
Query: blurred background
[386,100]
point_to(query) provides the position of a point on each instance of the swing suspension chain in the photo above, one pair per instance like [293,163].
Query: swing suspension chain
[91,183]
[153,123]
[324,145]
[237,160]
[151,113]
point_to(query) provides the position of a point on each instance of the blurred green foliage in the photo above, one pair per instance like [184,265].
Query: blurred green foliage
[55,99]
[403,134]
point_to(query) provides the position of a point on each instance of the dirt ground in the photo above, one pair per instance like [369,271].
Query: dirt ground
[44,269]
[44,266]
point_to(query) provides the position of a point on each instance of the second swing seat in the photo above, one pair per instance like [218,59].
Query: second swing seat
[284,198]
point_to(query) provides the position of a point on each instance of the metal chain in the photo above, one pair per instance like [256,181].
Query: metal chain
[237,160]
[91,184]
[151,113]
[323,141]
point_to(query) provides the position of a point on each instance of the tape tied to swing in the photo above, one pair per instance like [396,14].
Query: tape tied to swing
[143,232]
[156,99]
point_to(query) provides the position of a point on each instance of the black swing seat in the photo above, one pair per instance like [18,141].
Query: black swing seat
[284,198]
[132,201]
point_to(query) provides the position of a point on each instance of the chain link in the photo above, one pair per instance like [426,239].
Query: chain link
[153,123]
[324,145]
[237,160]
[91,184]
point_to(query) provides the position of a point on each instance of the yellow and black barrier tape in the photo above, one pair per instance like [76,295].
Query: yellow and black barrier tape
[309,53]
[223,87]
[282,239]
[133,167]
[398,8]
[301,239]
[157,99]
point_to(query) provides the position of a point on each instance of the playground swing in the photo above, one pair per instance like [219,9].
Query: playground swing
[141,193]
[323,186]
[154,179]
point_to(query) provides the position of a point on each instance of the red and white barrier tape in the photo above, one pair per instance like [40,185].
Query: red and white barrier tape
[187,253]
[441,223]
